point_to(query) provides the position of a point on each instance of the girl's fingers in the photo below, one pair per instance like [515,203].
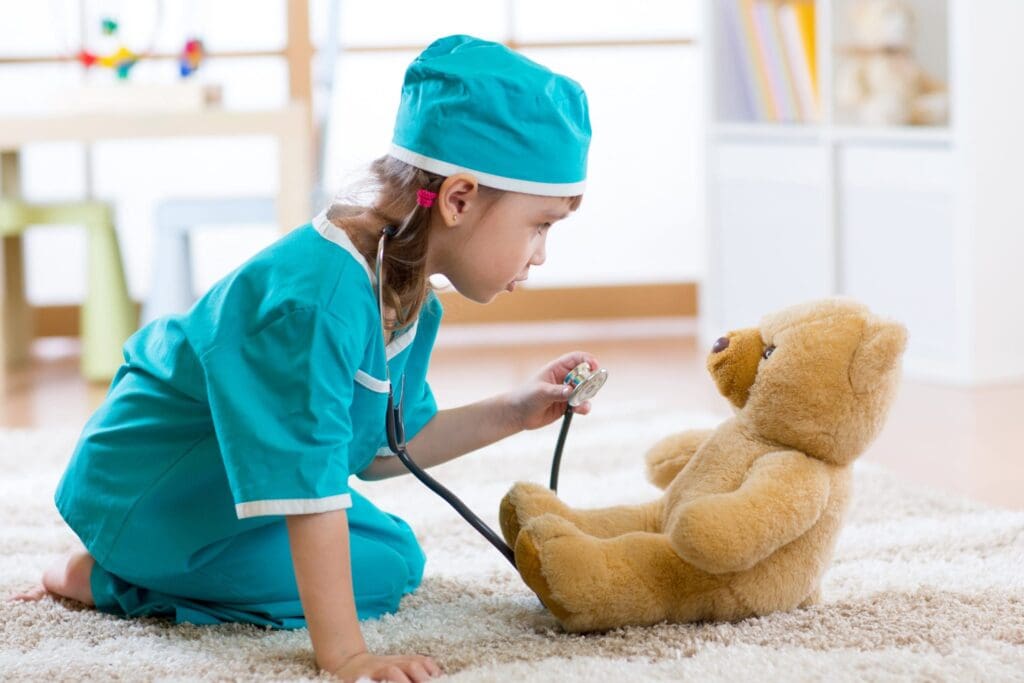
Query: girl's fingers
[432,668]
[395,674]
[417,672]
[558,392]
[577,357]
[570,360]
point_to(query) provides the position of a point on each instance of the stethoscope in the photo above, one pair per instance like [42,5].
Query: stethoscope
[585,384]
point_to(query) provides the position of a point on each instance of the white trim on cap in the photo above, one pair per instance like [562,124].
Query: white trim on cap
[496,181]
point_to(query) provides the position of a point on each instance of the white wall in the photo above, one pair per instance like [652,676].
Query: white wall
[990,109]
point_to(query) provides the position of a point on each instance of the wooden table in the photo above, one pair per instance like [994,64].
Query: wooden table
[289,125]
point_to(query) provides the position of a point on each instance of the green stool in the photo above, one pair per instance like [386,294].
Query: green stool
[108,316]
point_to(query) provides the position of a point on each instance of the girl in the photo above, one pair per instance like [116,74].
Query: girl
[212,484]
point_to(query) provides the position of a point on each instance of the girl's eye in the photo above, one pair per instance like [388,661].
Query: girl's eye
[543,226]
[768,350]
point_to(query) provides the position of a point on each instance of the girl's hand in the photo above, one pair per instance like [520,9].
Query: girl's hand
[397,668]
[543,399]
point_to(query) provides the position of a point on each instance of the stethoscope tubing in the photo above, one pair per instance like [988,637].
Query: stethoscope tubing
[556,460]
[460,507]
[396,442]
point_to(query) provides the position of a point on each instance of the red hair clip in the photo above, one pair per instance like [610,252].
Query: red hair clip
[425,198]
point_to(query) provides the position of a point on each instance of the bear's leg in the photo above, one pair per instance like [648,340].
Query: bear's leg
[668,457]
[526,501]
[814,598]
[593,584]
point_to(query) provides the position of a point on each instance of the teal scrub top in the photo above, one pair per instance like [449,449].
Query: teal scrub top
[261,401]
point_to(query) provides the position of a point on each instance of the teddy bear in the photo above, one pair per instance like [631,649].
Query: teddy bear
[751,510]
[878,80]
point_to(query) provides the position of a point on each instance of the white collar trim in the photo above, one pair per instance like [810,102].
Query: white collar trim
[332,233]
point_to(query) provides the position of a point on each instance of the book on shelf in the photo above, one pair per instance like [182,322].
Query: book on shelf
[772,47]
[796,24]
[742,67]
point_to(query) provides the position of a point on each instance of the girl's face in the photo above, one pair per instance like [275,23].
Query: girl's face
[493,243]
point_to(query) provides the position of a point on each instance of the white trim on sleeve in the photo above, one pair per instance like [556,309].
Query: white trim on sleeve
[292,506]
[333,233]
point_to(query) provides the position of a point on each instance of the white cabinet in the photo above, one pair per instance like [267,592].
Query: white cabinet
[924,224]
[896,239]
[772,197]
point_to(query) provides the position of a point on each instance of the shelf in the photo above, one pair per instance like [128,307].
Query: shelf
[921,223]
[795,132]
[767,132]
[931,135]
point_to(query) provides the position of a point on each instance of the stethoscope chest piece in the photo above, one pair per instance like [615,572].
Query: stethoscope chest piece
[585,383]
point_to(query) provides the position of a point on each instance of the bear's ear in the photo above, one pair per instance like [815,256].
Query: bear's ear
[879,352]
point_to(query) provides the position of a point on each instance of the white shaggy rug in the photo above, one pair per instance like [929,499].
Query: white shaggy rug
[924,587]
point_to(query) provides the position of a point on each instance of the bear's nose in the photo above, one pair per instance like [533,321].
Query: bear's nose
[721,345]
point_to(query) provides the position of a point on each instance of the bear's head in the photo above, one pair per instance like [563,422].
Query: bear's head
[818,377]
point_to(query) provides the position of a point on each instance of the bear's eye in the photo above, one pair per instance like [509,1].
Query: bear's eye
[767,352]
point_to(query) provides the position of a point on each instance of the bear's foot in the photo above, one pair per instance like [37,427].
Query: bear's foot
[595,584]
[524,502]
[531,540]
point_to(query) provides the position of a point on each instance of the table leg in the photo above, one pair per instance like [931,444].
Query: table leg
[295,172]
[15,314]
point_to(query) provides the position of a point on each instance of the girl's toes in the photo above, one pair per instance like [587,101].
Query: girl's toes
[31,595]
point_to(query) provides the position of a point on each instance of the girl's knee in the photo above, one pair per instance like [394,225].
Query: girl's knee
[380,587]
[381,575]
[415,561]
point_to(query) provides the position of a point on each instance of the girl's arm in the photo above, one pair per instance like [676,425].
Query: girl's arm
[320,554]
[458,431]
[449,434]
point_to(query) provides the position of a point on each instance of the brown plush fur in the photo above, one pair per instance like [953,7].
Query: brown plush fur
[751,510]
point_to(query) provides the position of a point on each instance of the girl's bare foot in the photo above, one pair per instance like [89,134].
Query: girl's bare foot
[68,578]
[31,595]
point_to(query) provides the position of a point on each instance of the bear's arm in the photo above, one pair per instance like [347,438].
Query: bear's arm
[668,457]
[782,497]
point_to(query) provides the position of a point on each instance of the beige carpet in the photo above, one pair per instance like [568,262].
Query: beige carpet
[923,587]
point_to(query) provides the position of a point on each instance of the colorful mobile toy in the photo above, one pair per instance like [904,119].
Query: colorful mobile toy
[191,57]
[122,59]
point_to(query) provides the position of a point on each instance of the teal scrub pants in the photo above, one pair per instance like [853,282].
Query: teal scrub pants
[250,579]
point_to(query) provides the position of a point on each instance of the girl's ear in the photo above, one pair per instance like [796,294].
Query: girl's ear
[457,193]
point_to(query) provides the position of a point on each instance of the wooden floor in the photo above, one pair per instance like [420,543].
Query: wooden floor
[964,441]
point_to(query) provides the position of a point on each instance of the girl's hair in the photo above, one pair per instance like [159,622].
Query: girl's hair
[391,189]
[390,194]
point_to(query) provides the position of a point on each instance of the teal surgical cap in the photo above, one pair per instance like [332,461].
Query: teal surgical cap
[470,105]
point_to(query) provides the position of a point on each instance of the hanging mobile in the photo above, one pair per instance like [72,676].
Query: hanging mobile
[122,58]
